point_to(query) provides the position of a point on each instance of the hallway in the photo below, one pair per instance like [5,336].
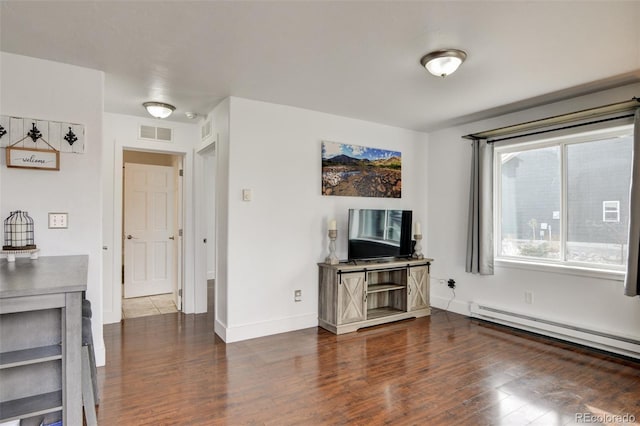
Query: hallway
[149,305]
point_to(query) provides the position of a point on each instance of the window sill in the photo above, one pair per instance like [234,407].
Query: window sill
[605,274]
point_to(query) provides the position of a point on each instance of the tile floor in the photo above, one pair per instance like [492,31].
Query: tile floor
[149,305]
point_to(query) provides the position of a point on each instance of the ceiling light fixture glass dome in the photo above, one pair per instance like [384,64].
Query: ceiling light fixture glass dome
[443,62]
[159,109]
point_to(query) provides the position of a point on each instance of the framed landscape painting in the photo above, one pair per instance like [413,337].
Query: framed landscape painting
[358,171]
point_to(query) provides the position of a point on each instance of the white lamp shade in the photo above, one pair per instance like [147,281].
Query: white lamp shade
[441,63]
[443,66]
[159,109]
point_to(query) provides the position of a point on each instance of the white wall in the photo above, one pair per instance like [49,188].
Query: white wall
[121,132]
[36,88]
[275,241]
[592,303]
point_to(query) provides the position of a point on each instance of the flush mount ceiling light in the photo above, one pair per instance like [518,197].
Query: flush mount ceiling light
[159,109]
[443,62]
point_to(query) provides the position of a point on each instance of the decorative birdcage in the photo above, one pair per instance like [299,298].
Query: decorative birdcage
[18,232]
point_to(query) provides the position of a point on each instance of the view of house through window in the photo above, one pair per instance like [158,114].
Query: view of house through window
[380,225]
[565,201]
[611,211]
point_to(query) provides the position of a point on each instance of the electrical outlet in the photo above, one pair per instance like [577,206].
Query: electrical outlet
[58,221]
[528,297]
[297,295]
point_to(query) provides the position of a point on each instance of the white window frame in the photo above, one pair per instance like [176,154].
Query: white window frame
[614,272]
[611,207]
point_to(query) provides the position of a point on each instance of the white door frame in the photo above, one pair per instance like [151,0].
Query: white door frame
[201,213]
[188,288]
[206,160]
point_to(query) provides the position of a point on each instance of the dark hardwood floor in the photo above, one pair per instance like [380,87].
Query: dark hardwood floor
[440,370]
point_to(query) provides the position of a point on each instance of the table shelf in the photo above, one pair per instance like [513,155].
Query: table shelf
[377,288]
[30,356]
[31,406]
[382,312]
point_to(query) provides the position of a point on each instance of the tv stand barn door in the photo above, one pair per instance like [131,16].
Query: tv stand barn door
[351,298]
[418,288]
[372,293]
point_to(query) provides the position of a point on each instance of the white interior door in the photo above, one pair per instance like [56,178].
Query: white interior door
[149,225]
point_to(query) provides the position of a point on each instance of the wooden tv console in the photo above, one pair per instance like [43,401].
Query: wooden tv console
[352,296]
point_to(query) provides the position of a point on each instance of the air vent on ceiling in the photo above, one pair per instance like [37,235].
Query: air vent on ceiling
[205,130]
[162,134]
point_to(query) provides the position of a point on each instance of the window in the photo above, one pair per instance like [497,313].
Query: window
[380,225]
[611,211]
[565,201]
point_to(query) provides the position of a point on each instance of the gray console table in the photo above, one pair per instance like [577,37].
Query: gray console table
[352,296]
[41,338]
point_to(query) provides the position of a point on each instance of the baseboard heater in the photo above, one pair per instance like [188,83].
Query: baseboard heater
[622,345]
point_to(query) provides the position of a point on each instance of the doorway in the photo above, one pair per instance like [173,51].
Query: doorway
[151,243]
[206,188]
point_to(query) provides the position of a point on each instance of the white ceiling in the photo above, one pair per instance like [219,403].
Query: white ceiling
[356,59]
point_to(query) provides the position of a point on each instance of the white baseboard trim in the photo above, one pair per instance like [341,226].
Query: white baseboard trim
[265,328]
[600,339]
[110,317]
[101,356]
[562,333]
[220,329]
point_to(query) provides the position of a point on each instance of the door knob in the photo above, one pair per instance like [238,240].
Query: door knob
[172,237]
[129,237]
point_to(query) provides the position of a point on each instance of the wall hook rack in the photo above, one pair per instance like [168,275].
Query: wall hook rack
[23,132]
[34,133]
[70,137]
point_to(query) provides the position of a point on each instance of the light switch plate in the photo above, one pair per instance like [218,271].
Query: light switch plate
[246,195]
[58,221]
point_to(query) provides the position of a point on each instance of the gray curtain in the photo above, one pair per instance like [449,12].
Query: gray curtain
[480,230]
[631,283]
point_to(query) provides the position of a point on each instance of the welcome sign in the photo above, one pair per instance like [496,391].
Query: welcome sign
[27,158]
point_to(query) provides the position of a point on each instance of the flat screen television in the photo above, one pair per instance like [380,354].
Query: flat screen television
[375,234]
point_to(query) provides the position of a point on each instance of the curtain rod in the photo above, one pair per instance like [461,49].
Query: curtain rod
[531,127]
